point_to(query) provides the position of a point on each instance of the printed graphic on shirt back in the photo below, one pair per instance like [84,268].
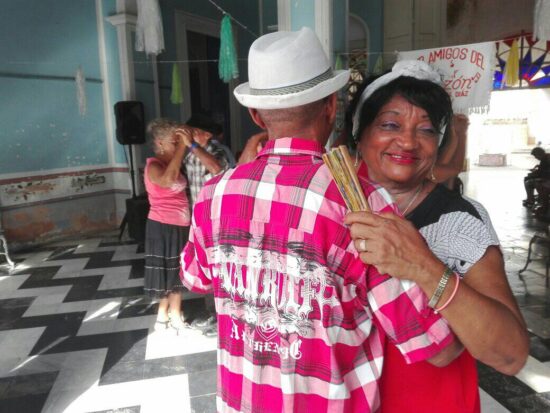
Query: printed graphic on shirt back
[277,295]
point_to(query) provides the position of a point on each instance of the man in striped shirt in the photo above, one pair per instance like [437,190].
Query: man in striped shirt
[302,321]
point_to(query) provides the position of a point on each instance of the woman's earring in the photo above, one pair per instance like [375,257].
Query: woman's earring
[161,150]
[432,176]
[357,154]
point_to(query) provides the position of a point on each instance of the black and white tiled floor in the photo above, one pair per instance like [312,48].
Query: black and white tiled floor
[76,332]
[76,336]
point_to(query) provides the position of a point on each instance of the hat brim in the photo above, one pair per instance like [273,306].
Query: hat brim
[317,92]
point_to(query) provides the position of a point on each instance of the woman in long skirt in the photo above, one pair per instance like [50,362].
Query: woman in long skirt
[168,221]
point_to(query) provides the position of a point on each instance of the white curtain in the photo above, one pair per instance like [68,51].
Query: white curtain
[149,33]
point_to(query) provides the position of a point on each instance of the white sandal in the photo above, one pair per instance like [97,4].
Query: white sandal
[178,325]
[161,325]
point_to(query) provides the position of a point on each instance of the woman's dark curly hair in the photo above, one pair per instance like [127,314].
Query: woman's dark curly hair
[422,93]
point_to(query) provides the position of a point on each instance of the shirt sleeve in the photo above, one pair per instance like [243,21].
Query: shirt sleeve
[218,153]
[194,272]
[400,307]
[460,239]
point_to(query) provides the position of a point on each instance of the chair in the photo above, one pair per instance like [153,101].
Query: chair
[544,238]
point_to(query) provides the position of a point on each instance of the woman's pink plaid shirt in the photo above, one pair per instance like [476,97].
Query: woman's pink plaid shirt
[302,321]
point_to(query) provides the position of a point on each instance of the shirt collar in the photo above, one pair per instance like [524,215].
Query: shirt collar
[292,146]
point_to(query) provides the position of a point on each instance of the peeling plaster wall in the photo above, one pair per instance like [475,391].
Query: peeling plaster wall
[35,224]
[44,207]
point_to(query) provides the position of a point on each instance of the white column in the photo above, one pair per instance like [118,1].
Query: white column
[107,104]
[323,26]
[283,15]
[125,24]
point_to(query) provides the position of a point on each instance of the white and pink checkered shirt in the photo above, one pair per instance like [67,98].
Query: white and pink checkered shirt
[302,321]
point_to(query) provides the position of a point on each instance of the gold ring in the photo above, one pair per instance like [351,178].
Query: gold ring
[362,245]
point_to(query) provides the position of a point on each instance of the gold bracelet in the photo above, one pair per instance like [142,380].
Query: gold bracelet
[440,287]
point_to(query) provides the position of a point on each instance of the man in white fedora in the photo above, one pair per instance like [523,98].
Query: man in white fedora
[298,328]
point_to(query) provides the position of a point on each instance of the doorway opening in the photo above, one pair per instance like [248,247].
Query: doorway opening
[516,122]
[209,94]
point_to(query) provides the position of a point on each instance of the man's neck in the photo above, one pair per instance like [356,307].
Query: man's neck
[301,134]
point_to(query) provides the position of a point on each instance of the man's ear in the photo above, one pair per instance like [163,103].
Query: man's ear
[255,115]
[331,105]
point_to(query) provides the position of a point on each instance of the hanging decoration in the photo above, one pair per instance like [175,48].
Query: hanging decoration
[227,66]
[466,70]
[378,68]
[176,96]
[511,70]
[541,20]
[149,32]
[81,91]
[339,64]
[533,62]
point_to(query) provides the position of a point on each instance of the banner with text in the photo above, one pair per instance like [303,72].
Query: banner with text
[467,72]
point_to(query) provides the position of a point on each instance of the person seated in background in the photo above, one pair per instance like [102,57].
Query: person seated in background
[537,176]
[543,189]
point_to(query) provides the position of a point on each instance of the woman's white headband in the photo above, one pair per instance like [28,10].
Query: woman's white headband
[412,68]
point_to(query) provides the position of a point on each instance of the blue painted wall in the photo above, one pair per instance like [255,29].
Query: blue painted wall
[44,42]
[41,127]
[302,14]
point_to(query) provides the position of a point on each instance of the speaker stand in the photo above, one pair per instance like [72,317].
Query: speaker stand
[125,218]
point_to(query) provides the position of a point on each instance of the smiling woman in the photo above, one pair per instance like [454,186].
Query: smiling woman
[445,244]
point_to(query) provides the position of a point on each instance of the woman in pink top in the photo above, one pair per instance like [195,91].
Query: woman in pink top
[168,221]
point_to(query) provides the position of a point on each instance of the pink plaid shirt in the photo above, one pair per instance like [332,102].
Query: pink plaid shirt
[302,321]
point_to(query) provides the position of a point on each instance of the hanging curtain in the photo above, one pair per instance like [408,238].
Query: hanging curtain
[227,65]
[511,70]
[541,20]
[149,34]
[378,68]
[176,97]
[339,64]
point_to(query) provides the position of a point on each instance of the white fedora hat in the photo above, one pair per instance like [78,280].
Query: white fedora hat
[288,69]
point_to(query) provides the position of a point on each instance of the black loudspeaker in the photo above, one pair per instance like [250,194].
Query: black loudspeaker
[130,122]
[136,216]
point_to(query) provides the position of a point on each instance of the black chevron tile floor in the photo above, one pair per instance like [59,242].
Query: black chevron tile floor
[76,332]
[76,336]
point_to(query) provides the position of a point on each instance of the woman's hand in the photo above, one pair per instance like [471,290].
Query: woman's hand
[183,136]
[254,145]
[393,245]
[460,124]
